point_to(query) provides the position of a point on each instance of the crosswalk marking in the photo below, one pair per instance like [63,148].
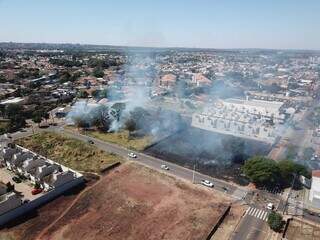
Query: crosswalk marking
[257,213]
[265,215]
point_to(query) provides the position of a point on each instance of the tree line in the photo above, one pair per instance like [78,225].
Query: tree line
[265,172]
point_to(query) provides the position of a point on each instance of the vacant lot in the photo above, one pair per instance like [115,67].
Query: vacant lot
[135,202]
[298,230]
[28,227]
[69,152]
[121,138]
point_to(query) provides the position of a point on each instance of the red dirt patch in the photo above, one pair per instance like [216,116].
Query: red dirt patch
[29,226]
[135,202]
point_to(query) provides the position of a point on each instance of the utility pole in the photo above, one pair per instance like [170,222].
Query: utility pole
[194,170]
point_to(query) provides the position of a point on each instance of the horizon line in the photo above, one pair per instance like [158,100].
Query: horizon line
[159,47]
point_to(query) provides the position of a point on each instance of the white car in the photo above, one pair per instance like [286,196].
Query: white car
[132,155]
[270,206]
[165,167]
[207,183]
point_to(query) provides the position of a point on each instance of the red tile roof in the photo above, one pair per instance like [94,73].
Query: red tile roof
[316,173]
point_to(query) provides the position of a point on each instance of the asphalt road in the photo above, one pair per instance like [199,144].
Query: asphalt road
[156,163]
[232,190]
[251,228]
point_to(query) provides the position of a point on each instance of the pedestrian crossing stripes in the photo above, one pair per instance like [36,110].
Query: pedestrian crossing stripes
[257,213]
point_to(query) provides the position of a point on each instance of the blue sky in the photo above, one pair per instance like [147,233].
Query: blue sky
[288,24]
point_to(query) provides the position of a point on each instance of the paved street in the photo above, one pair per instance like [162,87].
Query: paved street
[155,163]
[253,225]
[227,188]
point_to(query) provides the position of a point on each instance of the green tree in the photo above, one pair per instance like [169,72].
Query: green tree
[98,72]
[275,221]
[262,171]
[37,117]
[288,169]
[16,116]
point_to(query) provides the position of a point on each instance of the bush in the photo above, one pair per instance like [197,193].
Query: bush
[275,221]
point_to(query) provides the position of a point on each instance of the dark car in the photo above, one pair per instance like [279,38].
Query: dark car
[90,141]
[16,179]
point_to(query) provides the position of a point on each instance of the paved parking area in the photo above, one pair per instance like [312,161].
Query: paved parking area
[24,188]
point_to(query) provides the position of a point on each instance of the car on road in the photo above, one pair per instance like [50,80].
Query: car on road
[270,206]
[132,155]
[225,189]
[36,191]
[165,167]
[16,179]
[90,141]
[207,183]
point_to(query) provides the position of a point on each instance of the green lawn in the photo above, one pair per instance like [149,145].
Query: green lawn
[70,152]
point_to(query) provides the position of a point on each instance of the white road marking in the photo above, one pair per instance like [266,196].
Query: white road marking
[253,212]
[248,210]
[258,213]
[265,216]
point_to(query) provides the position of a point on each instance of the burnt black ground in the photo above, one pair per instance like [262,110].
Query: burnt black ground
[209,151]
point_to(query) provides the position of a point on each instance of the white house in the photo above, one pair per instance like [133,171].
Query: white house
[314,195]
[9,201]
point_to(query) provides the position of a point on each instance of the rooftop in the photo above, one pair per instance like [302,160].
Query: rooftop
[316,173]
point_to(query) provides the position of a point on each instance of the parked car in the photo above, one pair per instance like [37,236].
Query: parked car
[165,167]
[36,191]
[90,141]
[132,155]
[16,179]
[207,183]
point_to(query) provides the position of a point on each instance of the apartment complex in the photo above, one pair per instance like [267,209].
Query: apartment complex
[254,119]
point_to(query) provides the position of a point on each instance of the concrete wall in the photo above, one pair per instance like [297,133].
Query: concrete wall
[23,209]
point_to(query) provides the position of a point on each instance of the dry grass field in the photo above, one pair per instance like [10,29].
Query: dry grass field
[135,203]
[70,152]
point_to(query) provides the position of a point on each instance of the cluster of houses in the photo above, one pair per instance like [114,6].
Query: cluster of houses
[38,172]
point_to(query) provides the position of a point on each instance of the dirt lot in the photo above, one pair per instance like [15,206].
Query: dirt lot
[298,230]
[28,227]
[135,202]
